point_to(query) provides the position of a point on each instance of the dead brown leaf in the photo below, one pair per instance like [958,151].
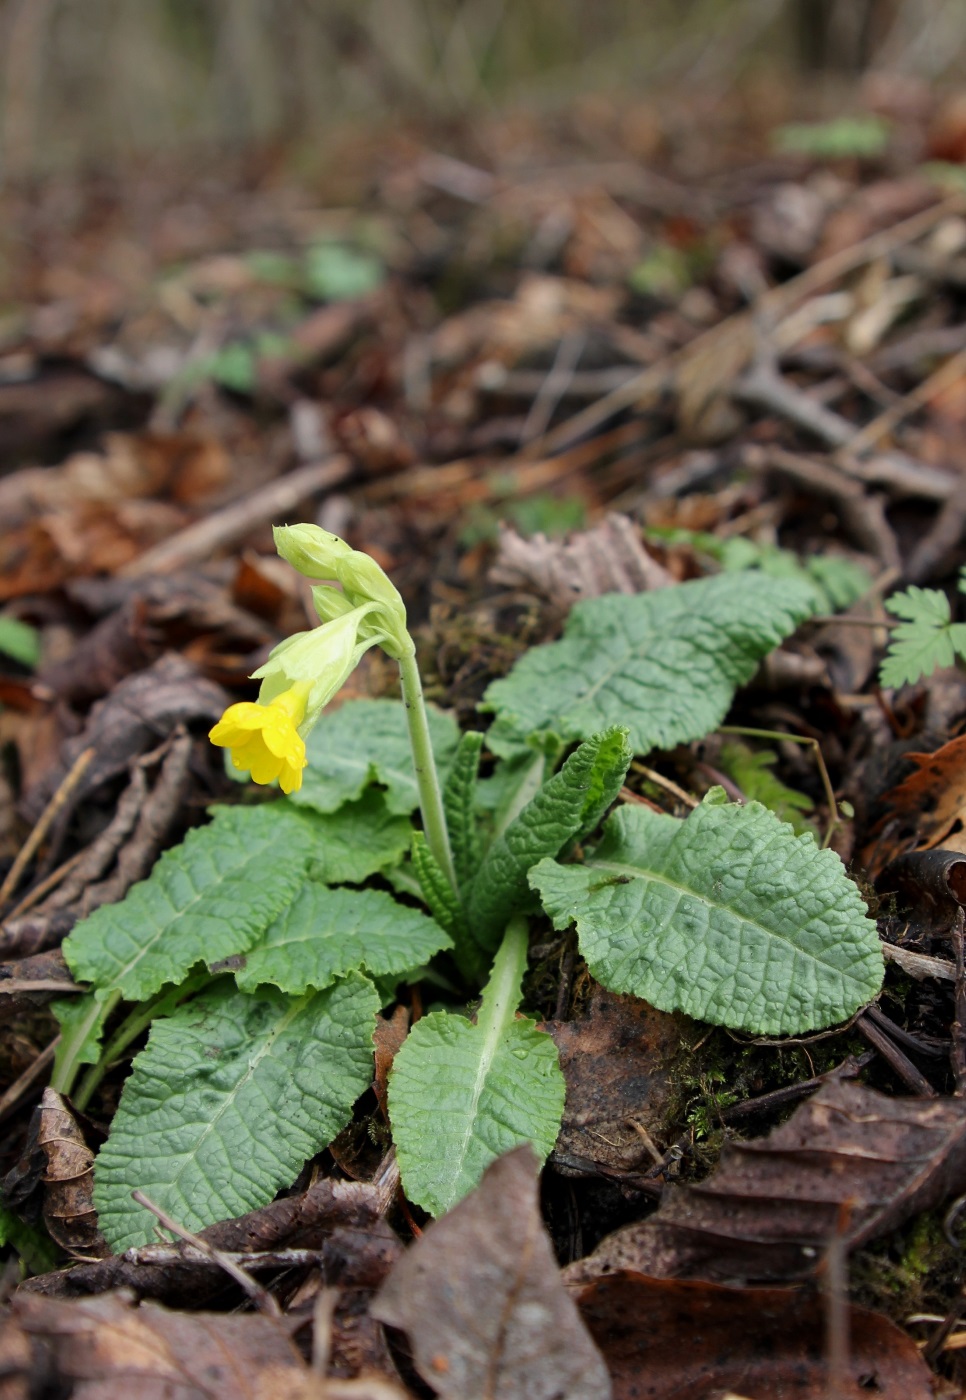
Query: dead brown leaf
[773,1204]
[616,1061]
[480,1297]
[69,1212]
[698,1341]
[610,558]
[934,796]
[107,1346]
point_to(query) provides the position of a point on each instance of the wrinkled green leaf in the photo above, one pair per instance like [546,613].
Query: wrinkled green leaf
[727,916]
[461,1095]
[666,664]
[434,887]
[325,934]
[204,900]
[81,1021]
[230,1097]
[570,803]
[361,839]
[365,742]
[459,805]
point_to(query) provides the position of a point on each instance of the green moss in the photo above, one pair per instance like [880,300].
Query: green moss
[911,1270]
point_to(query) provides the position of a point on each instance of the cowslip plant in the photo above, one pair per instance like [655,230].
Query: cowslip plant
[259,957]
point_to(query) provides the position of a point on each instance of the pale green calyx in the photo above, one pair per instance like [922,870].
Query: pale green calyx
[322,660]
[318,554]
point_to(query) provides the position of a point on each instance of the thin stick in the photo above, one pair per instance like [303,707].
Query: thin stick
[835,1289]
[45,821]
[919,965]
[44,887]
[11,985]
[957,1050]
[202,538]
[20,1086]
[667,784]
[777,301]
[893,1056]
[260,1296]
[917,398]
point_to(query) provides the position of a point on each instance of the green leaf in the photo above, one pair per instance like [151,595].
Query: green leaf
[511,785]
[838,582]
[842,581]
[751,769]
[361,839]
[231,1095]
[204,900]
[838,139]
[572,802]
[35,1248]
[727,916]
[365,742]
[459,804]
[435,887]
[926,639]
[667,664]
[327,933]
[81,1021]
[334,272]
[461,1095]
[20,641]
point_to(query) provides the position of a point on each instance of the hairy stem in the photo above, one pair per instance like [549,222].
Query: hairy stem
[427,780]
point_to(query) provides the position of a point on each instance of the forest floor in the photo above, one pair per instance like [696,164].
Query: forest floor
[520,364]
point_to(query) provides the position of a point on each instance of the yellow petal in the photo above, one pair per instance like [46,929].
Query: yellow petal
[266,767]
[290,777]
[236,724]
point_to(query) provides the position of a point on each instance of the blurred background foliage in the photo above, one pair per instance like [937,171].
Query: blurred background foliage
[84,80]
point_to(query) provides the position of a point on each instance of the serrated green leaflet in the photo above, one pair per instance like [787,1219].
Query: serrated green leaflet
[232,1094]
[927,637]
[204,900]
[727,916]
[461,1095]
[365,742]
[666,664]
[572,802]
[327,933]
[362,838]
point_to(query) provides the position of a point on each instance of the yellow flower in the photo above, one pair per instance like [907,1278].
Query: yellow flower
[264,739]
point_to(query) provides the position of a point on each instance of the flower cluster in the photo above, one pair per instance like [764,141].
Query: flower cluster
[304,672]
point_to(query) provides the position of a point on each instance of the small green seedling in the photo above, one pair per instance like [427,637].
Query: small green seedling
[926,638]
